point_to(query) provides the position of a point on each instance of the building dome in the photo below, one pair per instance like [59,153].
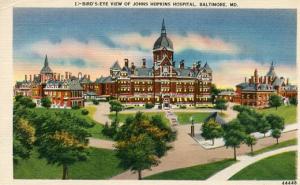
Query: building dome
[163,41]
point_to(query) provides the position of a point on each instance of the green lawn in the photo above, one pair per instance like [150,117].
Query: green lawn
[123,116]
[95,131]
[199,172]
[289,113]
[276,146]
[277,167]
[184,117]
[102,164]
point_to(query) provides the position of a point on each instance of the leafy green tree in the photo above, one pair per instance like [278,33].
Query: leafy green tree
[46,102]
[24,101]
[249,121]
[211,130]
[137,153]
[250,141]
[140,126]
[221,104]
[275,121]
[263,125]
[23,139]
[115,106]
[275,101]
[293,101]
[62,138]
[276,133]
[214,92]
[234,135]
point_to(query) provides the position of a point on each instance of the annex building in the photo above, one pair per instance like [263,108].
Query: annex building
[257,89]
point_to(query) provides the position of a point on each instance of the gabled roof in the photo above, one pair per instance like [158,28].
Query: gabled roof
[216,117]
[207,68]
[116,66]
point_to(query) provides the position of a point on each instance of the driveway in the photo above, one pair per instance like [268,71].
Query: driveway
[102,112]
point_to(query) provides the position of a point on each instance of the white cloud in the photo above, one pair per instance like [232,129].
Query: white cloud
[180,42]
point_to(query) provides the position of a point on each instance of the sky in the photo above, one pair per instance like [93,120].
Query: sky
[232,41]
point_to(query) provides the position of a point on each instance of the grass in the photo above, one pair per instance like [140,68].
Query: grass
[199,172]
[102,164]
[123,116]
[277,167]
[276,146]
[289,113]
[184,117]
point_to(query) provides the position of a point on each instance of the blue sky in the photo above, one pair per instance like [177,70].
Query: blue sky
[92,39]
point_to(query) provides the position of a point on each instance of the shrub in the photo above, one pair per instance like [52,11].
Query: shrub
[75,107]
[130,107]
[182,107]
[84,112]
[95,102]
[293,101]
[149,105]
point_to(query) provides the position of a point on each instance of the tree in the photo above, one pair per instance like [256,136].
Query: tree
[23,139]
[275,121]
[62,138]
[24,101]
[249,121]
[137,153]
[46,102]
[214,92]
[141,126]
[263,125]
[275,101]
[250,141]
[234,135]
[276,133]
[211,130]
[293,101]
[221,104]
[115,106]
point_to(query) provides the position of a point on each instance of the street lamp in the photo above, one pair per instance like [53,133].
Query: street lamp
[192,127]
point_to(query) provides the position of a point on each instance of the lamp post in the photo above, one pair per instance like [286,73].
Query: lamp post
[192,127]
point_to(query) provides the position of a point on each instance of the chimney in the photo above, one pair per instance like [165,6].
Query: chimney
[126,62]
[70,75]
[249,80]
[265,79]
[66,75]
[30,77]
[58,77]
[54,76]
[252,79]
[26,78]
[260,80]
[89,77]
[144,63]
[132,66]
[181,64]
[62,77]
[245,79]
[287,81]
[198,64]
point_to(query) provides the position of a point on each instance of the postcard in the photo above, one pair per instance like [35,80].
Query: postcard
[152,92]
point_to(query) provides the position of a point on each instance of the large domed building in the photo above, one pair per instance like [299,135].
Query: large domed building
[159,81]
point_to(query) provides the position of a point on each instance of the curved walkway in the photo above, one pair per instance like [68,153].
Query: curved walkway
[245,161]
[101,143]
[187,152]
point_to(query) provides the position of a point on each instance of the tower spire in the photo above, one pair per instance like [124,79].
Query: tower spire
[46,61]
[163,28]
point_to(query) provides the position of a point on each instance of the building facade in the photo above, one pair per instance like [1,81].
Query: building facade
[257,90]
[160,81]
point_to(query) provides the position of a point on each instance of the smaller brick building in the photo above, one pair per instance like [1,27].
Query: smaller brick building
[257,90]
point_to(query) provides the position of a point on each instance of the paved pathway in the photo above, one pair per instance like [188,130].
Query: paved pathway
[102,112]
[101,143]
[245,161]
[187,152]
